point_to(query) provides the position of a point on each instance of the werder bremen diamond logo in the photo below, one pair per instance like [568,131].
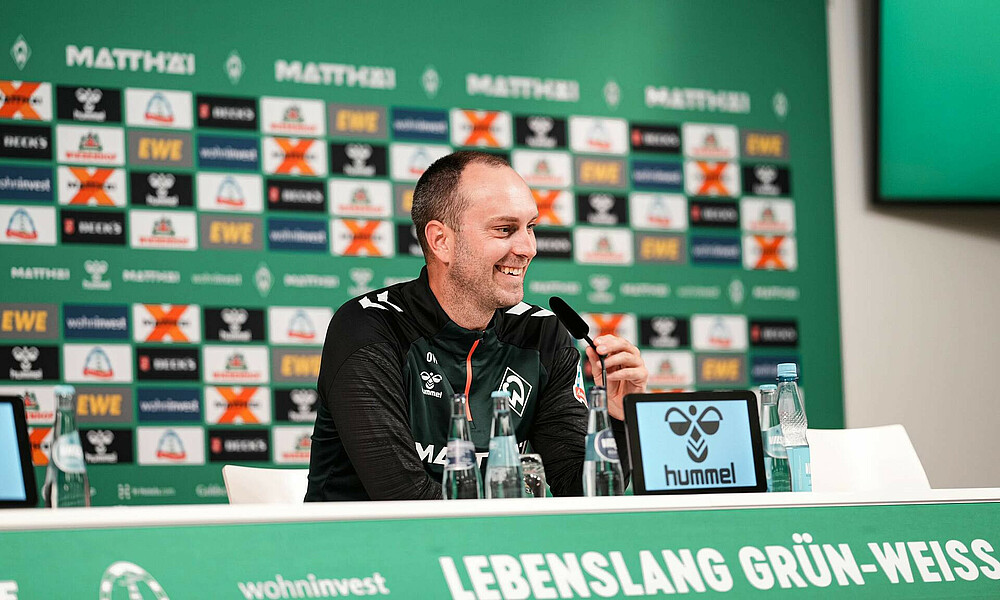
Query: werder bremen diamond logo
[612,94]
[263,279]
[430,81]
[736,292]
[20,52]
[129,580]
[234,67]
[780,104]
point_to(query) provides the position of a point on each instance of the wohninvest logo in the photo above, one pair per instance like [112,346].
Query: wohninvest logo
[312,586]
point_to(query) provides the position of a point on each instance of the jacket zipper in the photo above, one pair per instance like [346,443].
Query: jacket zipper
[468,380]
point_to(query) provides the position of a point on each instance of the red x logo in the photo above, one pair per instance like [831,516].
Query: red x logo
[546,200]
[712,184]
[238,405]
[607,324]
[91,186]
[481,135]
[17,100]
[362,238]
[37,439]
[167,323]
[295,157]
[770,253]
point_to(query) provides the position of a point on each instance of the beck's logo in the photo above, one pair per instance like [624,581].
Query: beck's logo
[518,388]
[696,430]
[24,141]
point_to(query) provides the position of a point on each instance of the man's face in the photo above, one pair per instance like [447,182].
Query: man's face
[496,237]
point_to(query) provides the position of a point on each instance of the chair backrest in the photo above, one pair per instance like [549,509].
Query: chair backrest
[865,459]
[253,485]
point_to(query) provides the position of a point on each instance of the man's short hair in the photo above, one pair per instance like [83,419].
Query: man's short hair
[436,196]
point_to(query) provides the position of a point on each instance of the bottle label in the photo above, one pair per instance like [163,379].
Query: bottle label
[67,453]
[601,446]
[800,466]
[461,455]
[774,443]
[503,452]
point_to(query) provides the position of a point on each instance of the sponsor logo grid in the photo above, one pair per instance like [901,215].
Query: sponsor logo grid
[169,384]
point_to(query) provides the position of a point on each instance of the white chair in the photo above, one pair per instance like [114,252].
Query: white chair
[252,485]
[865,459]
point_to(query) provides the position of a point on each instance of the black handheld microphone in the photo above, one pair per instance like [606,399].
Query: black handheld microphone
[577,328]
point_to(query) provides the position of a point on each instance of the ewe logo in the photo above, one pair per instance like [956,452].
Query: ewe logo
[133,578]
[705,425]
[518,388]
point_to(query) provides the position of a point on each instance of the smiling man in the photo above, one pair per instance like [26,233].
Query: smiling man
[394,357]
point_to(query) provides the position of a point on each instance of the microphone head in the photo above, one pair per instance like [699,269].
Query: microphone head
[569,318]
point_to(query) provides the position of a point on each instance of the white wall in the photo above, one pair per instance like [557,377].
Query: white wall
[919,292]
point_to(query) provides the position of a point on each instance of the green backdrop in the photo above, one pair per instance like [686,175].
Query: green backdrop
[686,147]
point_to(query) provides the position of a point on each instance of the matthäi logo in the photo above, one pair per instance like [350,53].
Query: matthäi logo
[96,269]
[696,430]
[133,578]
[20,52]
[600,294]
[234,67]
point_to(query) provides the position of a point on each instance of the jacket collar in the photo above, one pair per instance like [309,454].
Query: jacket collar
[428,311]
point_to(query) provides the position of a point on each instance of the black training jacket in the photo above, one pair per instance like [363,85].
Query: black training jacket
[391,362]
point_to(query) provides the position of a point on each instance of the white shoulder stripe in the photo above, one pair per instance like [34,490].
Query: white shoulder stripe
[519,308]
[544,313]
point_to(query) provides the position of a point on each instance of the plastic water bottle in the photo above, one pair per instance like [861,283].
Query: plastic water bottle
[66,482]
[792,415]
[775,456]
[461,473]
[504,478]
[602,470]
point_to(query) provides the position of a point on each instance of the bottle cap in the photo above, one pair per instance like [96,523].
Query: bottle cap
[64,390]
[787,370]
[768,387]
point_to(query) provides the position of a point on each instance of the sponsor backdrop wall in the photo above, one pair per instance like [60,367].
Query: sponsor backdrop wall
[187,194]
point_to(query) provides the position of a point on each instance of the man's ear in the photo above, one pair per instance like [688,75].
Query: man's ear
[440,241]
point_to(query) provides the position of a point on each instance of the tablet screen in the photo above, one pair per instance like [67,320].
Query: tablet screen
[701,442]
[12,486]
